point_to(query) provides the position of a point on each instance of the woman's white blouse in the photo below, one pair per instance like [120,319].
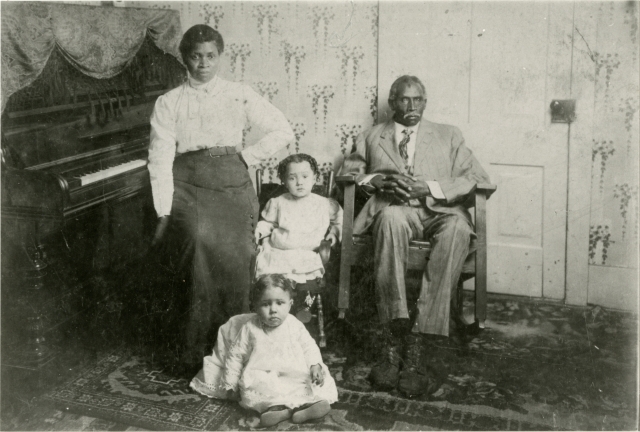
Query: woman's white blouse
[214,114]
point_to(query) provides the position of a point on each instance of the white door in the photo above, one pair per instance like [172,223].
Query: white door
[493,69]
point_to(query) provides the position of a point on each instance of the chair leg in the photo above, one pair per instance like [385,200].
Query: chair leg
[323,340]
[481,258]
[344,288]
[457,313]
[457,303]
[460,298]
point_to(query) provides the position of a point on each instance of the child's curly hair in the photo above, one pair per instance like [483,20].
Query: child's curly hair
[270,281]
[283,166]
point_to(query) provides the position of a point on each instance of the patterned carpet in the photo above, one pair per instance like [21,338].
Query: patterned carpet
[124,389]
[564,367]
[536,367]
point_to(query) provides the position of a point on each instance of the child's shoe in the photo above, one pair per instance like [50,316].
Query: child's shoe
[274,415]
[311,411]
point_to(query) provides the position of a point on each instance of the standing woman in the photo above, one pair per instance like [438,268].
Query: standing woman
[201,186]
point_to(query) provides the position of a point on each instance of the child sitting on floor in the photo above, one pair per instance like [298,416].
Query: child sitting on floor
[296,222]
[273,363]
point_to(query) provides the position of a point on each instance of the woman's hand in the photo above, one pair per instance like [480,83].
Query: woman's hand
[317,375]
[161,230]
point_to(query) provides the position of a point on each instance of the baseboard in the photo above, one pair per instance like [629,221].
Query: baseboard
[544,301]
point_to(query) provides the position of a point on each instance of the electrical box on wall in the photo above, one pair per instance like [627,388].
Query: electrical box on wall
[563,111]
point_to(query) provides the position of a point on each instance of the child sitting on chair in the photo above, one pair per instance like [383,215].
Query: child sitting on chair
[296,222]
[273,363]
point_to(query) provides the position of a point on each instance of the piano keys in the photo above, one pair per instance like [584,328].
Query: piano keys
[108,170]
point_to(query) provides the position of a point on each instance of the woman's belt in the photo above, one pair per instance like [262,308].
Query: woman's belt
[211,151]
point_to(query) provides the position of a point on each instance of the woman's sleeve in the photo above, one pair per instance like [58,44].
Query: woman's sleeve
[309,347]
[269,219]
[236,359]
[335,226]
[162,151]
[270,120]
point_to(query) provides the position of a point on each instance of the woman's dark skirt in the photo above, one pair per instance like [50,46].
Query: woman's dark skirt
[213,218]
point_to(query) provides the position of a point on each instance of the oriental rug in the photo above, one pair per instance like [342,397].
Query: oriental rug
[123,388]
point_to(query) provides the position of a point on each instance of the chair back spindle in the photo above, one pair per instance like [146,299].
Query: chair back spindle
[259,181]
[330,184]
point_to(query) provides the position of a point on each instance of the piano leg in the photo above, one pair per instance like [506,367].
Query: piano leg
[26,349]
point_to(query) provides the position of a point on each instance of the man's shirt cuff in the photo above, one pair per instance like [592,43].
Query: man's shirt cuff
[436,190]
[365,184]
[366,179]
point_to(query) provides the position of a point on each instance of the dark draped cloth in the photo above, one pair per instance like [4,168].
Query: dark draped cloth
[98,41]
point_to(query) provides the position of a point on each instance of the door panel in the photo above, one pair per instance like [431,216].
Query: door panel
[516,236]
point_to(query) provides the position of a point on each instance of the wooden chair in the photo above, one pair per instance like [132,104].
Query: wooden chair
[311,289]
[357,248]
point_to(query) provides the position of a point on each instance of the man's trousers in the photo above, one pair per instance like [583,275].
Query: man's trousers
[450,236]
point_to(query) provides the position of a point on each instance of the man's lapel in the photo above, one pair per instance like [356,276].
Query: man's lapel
[424,140]
[388,144]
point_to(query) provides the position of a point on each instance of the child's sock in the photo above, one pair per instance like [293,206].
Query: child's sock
[311,411]
[274,415]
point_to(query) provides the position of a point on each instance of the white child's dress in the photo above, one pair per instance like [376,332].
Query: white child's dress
[268,368]
[295,228]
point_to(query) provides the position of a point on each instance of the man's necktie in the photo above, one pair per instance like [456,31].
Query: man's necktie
[402,146]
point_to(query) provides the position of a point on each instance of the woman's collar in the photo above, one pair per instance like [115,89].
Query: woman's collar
[206,87]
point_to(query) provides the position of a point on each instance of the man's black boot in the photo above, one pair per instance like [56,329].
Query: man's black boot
[384,374]
[416,378]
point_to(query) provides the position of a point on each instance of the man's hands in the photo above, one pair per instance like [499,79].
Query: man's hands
[317,375]
[378,182]
[402,186]
[161,230]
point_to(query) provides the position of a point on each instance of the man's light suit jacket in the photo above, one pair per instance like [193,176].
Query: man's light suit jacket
[440,155]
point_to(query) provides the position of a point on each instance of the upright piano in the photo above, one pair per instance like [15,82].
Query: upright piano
[74,178]
[91,143]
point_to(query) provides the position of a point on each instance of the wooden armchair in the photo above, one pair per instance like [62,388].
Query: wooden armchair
[311,289]
[356,249]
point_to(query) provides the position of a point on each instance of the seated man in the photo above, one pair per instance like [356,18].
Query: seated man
[418,174]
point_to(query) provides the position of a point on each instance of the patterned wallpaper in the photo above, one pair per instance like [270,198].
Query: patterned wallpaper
[316,61]
[613,239]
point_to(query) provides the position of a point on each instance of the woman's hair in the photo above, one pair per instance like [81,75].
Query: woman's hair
[270,281]
[283,166]
[200,33]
